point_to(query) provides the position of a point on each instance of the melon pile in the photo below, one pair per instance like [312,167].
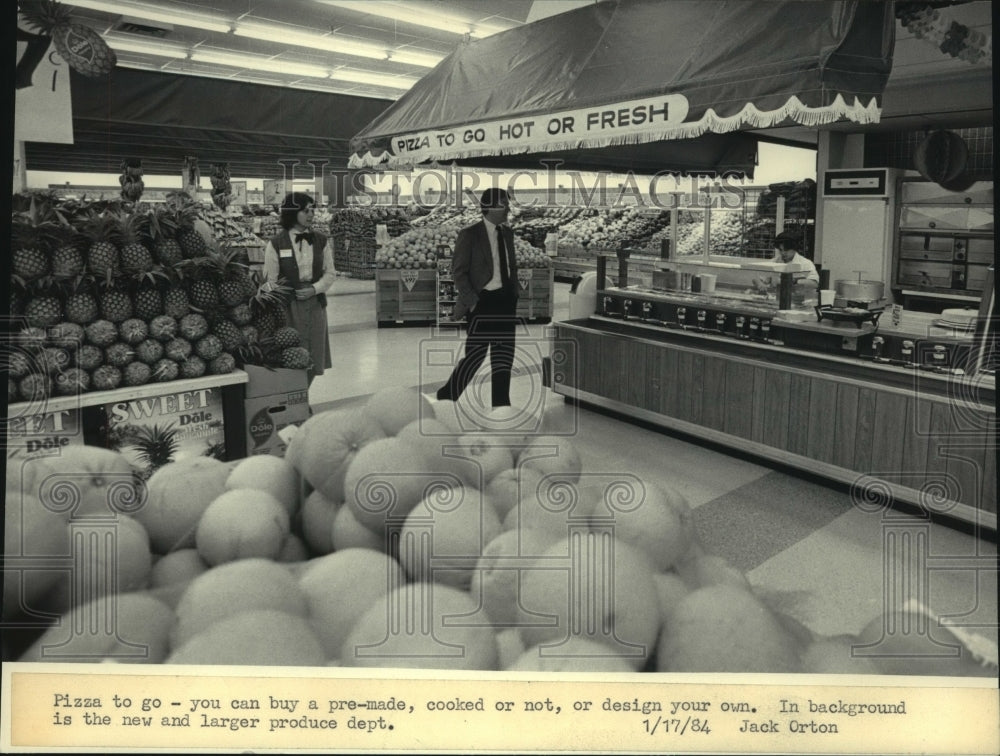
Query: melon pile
[406,534]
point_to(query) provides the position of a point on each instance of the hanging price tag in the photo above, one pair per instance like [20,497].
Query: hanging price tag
[524,277]
[409,278]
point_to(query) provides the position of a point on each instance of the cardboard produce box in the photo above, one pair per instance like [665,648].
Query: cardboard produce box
[275,399]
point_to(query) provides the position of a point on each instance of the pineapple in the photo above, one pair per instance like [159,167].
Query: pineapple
[224,363]
[240,315]
[250,334]
[133,229]
[296,358]
[103,257]
[106,378]
[193,327]
[115,304]
[80,46]
[66,335]
[30,263]
[101,333]
[137,374]
[232,275]
[33,338]
[166,370]
[176,303]
[229,334]
[193,244]
[82,307]
[67,260]
[208,347]
[119,354]
[72,381]
[43,310]
[149,351]
[88,357]
[202,290]
[19,365]
[148,302]
[193,367]
[34,387]
[178,350]
[157,446]
[54,359]
[286,337]
[133,331]
[163,227]
[163,328]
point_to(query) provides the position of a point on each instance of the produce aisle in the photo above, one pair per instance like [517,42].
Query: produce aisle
[799,540]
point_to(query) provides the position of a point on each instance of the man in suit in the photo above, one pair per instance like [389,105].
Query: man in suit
[485,274]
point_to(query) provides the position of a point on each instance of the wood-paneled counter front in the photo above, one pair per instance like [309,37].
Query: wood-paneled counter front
[895,434]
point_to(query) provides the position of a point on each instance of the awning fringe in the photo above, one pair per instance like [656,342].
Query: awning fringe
[749,117]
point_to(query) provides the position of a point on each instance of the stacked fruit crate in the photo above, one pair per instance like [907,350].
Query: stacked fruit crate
[353,231]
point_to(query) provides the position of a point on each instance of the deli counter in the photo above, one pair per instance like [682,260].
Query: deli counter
[901,406]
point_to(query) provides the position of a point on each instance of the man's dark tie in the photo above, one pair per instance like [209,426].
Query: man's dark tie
[307,235]
[504,264]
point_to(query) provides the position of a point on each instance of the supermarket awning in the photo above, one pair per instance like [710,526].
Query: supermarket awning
[261,131]
[624,82]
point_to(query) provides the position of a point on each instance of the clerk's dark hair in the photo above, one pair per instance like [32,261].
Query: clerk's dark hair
[788,240]
[291,205]
[493,197]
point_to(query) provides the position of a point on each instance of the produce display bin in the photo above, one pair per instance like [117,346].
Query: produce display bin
[405,296]
[275,399]
[206,412]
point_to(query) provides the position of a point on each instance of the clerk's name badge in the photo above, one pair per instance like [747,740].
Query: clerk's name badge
[284,253]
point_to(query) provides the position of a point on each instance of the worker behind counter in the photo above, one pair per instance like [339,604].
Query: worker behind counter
[788,249]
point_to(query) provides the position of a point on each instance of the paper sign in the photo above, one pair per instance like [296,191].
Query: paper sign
[43,112]
[524,277]
[409,278]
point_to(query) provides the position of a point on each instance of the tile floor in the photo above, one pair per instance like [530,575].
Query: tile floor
[796,537]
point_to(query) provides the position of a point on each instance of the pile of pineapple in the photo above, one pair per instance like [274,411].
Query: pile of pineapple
[111,295]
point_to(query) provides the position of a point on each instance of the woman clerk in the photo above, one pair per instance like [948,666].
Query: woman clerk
[302,257]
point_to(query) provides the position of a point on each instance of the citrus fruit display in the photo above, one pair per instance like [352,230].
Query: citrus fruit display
[406,533]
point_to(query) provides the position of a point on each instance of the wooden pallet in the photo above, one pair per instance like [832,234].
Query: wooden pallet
[402,297]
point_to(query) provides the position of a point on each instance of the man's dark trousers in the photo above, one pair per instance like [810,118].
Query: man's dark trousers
[491,328]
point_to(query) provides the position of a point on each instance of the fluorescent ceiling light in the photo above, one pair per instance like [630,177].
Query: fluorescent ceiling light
[145,47]
[417,16]
[413,58]
[274,33]
[259,63]
[378,80]
[152,13]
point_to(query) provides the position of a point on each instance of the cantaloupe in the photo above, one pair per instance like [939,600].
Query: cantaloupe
[348,533]
[499,571]
[266,472]
[317,516]
[177,495]
[552,455]
[242,523]
[594,587]
[510,486]
[340,587]
[418,626]
[835,656]
[177,567]
[293,550]
[396,406]
[386,479]
[234,587]
[576,654]
[489,453]
[444,536]
[723,628]
[654,518]
[325,444]
[81,481]
[35,533]
[128,627]
[264,637]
